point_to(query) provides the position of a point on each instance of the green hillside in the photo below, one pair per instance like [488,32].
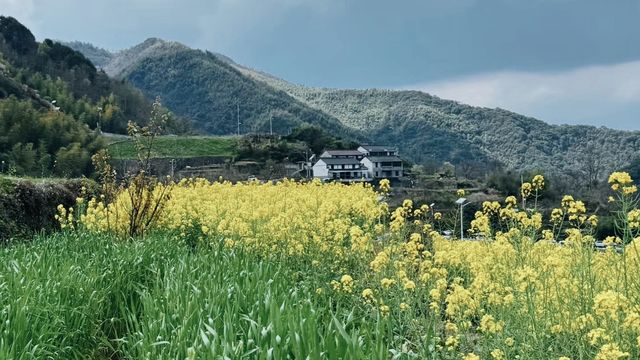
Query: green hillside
[426,127]
[207,87]
[179,147]
[54,103]
[214,95]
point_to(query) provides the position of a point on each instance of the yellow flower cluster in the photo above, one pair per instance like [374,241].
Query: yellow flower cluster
[385,186]
[634,219]
[622,181]
[526,189]
[309,220]
[65,217]
[505,291]
[537,182]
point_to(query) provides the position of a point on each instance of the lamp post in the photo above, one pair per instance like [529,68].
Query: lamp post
[462,203]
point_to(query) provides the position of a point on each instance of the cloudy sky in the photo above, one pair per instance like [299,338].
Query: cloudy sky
[563,61]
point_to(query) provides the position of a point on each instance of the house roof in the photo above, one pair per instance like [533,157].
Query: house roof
[383,158]
[343,152]
[340,161]
[377,148]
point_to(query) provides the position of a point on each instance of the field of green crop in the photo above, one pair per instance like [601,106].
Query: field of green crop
[306,270]
[178,147]
[81,296]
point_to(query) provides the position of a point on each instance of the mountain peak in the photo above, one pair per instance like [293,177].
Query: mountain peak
[119,63]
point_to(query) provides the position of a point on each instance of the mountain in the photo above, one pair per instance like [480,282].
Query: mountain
[216,96]
[52,102]
[432,128]
[99,57]
[50,73]
[205,87]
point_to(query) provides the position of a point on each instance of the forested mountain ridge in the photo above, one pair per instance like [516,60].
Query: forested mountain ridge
[98,56]
[427,129]
[203,87]
[432,128]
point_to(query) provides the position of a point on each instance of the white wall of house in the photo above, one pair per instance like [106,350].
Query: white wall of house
[369,165]
[376,171]
[320,169]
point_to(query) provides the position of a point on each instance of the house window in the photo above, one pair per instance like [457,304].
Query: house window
[397,173]
[376,174]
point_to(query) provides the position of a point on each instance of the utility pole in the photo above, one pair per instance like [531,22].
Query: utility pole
[461,223]
[462,202]
[238,116]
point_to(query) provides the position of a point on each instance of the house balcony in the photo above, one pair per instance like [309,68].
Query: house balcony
[347,174]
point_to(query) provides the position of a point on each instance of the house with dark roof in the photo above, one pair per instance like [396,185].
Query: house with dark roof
[377,150]
[383,167]
[366,163]
[341,169]
[342,154]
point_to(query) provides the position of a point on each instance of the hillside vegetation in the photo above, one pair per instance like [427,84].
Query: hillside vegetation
[428,130]
[427,127]
[214,95]
[178,147]
[53,104]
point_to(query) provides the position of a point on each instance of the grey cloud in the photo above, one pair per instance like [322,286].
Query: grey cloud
[606,95]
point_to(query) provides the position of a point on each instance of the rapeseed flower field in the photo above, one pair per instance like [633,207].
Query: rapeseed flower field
[312,270]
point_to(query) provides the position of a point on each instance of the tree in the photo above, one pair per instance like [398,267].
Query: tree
[23,157]
[72,161]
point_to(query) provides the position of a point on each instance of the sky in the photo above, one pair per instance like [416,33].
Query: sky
[562,61]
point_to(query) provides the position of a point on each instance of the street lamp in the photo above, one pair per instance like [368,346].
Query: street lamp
[462,203]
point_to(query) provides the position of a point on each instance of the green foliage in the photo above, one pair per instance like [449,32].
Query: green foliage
[178,147]
[318,139]
[87,296]
[53,103]
[99,57]
[40,143]
[634,168]
[270,149]
[56,76]
[17,36]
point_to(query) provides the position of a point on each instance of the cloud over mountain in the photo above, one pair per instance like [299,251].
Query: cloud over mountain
[583,95]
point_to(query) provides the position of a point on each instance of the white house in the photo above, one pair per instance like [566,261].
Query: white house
[341,169]
[366,163]
[382,162]
[383,167]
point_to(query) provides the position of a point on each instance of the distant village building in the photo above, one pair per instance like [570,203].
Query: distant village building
[342,154]
[366,163]
[343,169]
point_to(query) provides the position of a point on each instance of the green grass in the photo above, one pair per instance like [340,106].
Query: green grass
[179,147]
[73,296]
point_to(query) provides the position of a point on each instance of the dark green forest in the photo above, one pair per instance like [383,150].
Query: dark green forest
[41,143]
